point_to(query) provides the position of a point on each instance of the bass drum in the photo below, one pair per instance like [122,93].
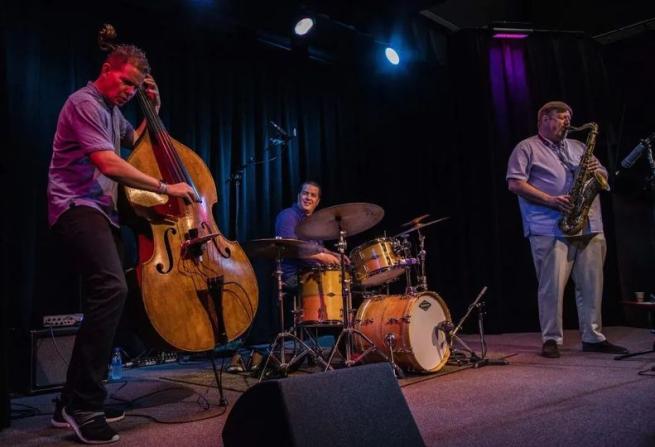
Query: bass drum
[413,322]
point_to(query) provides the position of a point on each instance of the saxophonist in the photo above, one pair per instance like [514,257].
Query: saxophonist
[541,171]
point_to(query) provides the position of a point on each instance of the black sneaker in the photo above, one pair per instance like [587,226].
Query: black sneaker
[57,420]
[90,427]
[604,347]
[550,349]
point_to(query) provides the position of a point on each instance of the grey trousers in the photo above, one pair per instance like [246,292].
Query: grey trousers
[555,260]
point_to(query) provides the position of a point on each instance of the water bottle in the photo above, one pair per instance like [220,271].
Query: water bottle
[116,366]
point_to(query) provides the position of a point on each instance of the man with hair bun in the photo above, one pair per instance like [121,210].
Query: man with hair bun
[85,171]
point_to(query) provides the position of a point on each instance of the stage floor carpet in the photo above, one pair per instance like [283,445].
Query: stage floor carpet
[578,399]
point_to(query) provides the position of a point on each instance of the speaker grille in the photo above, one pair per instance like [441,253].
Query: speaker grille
[51,352]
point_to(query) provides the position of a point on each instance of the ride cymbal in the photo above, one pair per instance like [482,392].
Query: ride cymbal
[353,218]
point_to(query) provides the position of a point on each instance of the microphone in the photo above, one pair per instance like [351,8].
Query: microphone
[283,133]
[633,156]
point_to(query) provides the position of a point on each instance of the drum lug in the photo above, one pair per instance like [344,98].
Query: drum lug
[404,319]
[364,322]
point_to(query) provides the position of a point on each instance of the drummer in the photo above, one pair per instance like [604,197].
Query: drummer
[285,226]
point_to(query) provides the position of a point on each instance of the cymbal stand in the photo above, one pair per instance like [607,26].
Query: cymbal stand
[451,335]
[407,253]
[422,278]
[283,365]
[348,332]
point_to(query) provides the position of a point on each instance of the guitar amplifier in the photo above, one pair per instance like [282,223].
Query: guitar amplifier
[51,350]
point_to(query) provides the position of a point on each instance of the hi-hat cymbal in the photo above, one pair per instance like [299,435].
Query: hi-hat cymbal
[353,218]
[418,226]
[415,221]
[271,248]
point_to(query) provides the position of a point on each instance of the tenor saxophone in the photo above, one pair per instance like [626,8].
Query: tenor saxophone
[585,187]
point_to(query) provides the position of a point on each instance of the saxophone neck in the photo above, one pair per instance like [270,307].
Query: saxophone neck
[593,126]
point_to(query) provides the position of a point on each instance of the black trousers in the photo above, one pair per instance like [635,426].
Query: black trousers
[94,249]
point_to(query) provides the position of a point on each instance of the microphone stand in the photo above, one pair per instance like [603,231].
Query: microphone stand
[236,175]
[651,189]
[477,361]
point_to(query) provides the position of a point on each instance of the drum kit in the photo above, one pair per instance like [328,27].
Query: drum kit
[407,330]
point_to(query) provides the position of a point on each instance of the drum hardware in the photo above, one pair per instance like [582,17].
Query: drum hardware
[336,222]
[416,225]
[278,248]
[407,251]
[390,341]
[422,277]
[459,356]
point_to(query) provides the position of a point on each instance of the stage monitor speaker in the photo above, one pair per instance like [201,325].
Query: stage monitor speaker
[51,351]
[359,406]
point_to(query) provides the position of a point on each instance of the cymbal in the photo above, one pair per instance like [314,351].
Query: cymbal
[415,221]
[353,218]
[285,248]
[418,226]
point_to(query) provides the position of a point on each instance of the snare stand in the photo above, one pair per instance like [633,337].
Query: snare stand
[348,313]
[280,337]
[473,359]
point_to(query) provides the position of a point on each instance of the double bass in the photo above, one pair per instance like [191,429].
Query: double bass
[198,288]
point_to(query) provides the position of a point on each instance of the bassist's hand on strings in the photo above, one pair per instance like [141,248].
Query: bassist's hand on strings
[182,190]
[152,91]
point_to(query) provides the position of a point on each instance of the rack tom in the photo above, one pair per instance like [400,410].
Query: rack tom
[377,262]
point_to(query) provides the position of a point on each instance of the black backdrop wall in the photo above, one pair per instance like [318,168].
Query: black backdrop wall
[432,137]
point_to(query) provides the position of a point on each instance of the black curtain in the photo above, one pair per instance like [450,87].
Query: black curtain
[631,75]
[430,137]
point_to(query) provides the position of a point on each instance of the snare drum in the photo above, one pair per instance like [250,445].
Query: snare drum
[411,323]
[377,262]
[322,298]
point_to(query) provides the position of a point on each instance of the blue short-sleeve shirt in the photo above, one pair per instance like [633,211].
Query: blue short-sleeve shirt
[285,226]
[86,124]
[537,161]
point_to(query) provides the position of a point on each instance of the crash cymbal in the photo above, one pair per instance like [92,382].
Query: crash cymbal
[353,218]
[415,221]
[422,225]
[271,248]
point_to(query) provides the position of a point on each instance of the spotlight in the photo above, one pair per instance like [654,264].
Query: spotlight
[392,56]
[303,26]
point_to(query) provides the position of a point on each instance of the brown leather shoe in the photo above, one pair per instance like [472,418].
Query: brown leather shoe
[550,349]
